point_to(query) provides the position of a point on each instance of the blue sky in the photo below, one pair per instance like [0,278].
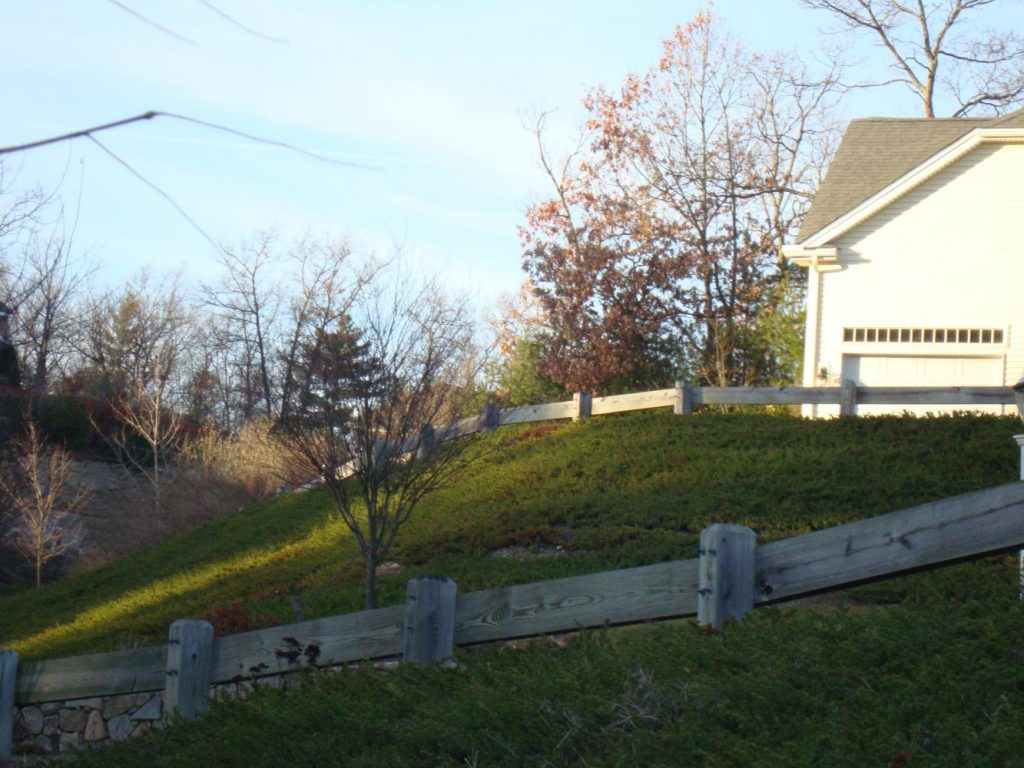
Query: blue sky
[432,95]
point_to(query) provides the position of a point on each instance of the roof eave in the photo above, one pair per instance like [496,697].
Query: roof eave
[908,181]
[802,256]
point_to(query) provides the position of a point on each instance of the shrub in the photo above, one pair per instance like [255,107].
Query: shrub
[251,460]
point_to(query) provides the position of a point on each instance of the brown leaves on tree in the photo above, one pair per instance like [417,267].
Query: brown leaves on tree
[662,242]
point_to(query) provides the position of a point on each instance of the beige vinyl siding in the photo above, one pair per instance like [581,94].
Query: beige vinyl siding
[948,254]
[1015,348]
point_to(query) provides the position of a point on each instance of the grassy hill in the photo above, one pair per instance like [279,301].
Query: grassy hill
[926,670]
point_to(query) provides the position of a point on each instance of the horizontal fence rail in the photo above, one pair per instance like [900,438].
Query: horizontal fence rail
[131,671]
[935,395]
[544,412]
[980,523]
[638,401]
[984,522]
[683,397]
[636,594]
[863,395]
[766,395]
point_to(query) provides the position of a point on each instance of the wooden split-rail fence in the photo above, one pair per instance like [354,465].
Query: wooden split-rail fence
[732,574]
[684,397]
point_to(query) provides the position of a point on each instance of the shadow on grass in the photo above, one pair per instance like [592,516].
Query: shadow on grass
[617,491]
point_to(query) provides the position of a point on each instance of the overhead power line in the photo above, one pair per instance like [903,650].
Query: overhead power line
[240,25]
[206,4]
[155,188]
[147,20]
[88,132]
[77,134]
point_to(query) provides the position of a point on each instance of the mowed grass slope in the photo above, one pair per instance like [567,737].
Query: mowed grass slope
[612,492]
[935,686]
[924,670]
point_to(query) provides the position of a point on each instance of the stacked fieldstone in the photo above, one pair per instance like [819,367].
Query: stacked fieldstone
[60,726]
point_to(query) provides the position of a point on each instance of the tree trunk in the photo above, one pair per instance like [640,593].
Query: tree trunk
[39,571]
[371,577]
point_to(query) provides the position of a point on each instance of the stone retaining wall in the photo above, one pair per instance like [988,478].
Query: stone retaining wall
[59,726]
[63,726]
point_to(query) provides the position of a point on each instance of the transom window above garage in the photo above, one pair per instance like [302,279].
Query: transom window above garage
[924,335]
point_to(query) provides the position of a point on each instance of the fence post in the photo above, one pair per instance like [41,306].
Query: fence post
[848,398]
[428,441]
[582,403]
[1019,439]
[8,682]
[490,418]
[683,405]
[429,619]
[189,667]
[726,574]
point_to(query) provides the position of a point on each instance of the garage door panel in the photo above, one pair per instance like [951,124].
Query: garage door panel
[921,371]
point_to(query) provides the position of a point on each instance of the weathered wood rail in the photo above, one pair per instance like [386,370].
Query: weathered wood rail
[683,397]
[730,576]
[716,586]
[849,395]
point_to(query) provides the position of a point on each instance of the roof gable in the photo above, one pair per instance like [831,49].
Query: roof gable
[875,152]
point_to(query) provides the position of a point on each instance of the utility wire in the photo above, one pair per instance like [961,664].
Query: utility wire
[270,142]
[239,24]
[87,132]
[147,20]
[159,191]
[78,134]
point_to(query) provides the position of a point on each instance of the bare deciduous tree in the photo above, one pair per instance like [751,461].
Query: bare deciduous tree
[937,51]
[49,284]
[136,334]
[41,501]
[327,284]
[660,245]
[39,278]
[19,213]
[267,304]
[148,435]
[248,303]
[134,341]
[368,394]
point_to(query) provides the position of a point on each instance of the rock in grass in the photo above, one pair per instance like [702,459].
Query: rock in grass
[32,720]
[120,728]
[118,705]
[73,720]
[42,745]
[148,711]
[95,728]
[69,741]
[141,728]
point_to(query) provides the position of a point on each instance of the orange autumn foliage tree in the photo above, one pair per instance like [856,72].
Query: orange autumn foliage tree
[660,252]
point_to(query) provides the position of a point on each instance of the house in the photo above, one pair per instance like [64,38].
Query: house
[914,247]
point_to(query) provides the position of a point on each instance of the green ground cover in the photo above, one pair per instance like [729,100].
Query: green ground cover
[918,685]
[923,670]
[612,492]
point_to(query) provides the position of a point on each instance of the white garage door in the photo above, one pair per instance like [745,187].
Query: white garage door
[899,371]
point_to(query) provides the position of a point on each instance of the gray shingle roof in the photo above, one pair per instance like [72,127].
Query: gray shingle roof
[875,151]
